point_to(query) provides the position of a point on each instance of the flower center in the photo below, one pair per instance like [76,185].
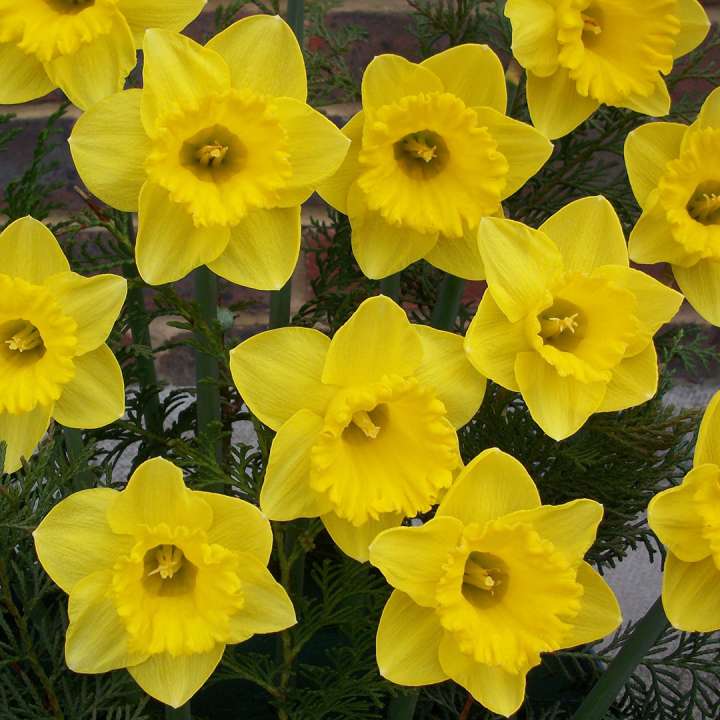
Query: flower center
[25,338]
[422,154]
[69,7]
[704,205]
[560,325]
[213,154]
[553,326]
[485,579]
[366,424]
[168,572]
[591,26]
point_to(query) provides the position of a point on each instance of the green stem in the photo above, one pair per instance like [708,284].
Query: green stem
[181,713]
[74,445]
[634,650]
[403,706]
[448,303]
[296,18]
[207,369]
[390,286]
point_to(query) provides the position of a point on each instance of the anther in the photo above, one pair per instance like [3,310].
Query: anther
[591,25]
[420,148]
[552,327]
[212,155]
[702,207]
[169,559]
[26,339]
[363,421]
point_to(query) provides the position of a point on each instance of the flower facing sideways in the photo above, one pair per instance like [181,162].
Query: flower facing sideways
[494,580]
[216,152]
[85,47]
[161,578]
[674,174]
[581,54]
[432,153]
[54,362]
[565,320]
[687,521]
[366,422]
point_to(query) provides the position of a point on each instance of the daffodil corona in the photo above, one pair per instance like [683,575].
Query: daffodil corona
[687,521]
[580,54]
[366,423]
[216,152]
[674,174]
[85,47]
[161,578]
[565,320]
[54,362]
[432,153]
[494,580]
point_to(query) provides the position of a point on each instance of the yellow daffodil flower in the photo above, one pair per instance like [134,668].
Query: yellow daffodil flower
[674,174]
[432,153]
[490,583]
[217,152]
[580,54]
[687,521]
[54,362]
[161,578]
[85,47]
[365,422]
[565,320]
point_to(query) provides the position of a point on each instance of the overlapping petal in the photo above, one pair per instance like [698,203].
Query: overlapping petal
[707,449]
[388,78]
[691,594]
[30,251]
[143,14]
[21,434]
[355,540]
[22,76]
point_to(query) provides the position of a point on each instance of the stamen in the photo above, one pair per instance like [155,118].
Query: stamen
[418,146]
[212,155]
[703,206]
[26,339]
[480,577]
[552,327]
[591,25]
[363,421]
[169,559]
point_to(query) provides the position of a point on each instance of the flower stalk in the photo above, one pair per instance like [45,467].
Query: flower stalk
[181,713]
[74,445]
[448,303]
[390,286]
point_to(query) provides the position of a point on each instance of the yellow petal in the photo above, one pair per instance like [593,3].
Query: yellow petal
[701,285]
[155,494]
[710,112]
[22,76]
[263,249]
[377,340]
[169,246]
[263,55]
[382,249]
[556,107]
[238,526]
[30,251]
[267,607]
[588,234]
[634,381]
[174,680]
[278,373]
[655,105]
[494,688]
[143,14]
[525,149]
[286,493]
[413,559]
[657,303]
[95,397]
[492,343]
[694,28]
[651,240]
[389,78]
[691,594]
[355,540]
[109,147]
[458,256]
[334,190]
[472,72]
[707,449]
[599,612]
[520,264]
[534,35]
[21,434]
[559,405]
[492,485]
[98,68]
[648,149]
[97,639]
[570,527]
[74,539]
[408,641]
[177,73]
[93,302]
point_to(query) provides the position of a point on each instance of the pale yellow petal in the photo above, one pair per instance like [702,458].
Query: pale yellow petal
[278,373]
[95,397]
[169,245]
[458,256]
[263,249]
[21,434]
[695,26]
[143,14]
[30,251]
[534,35]
[377,340]
[263,55]
[707,449]
[710,112]
[701,285]
[389,78]
[22,76]
[408,641]
[109,148]
[355,540]
[634,381]
[492,485]
[651,240]
[413,559]
[472,72]
[691,594]
[74,539]
[655,105]
[174,680]
[286,493]
[556,107]
[588,234]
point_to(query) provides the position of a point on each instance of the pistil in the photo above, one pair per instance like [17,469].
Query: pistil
[703,206]
[28,338]
[554,326]
[418,147]
[480,577]
[169,559]
[212,155]
[590,24]
[365,423]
